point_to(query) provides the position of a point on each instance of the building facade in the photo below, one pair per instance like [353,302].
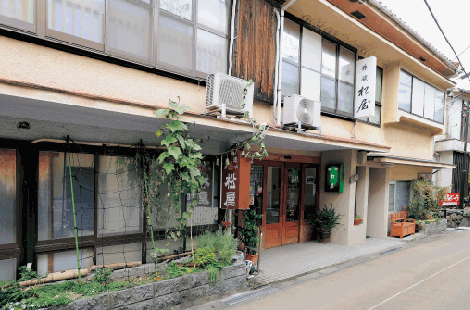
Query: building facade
[81,80]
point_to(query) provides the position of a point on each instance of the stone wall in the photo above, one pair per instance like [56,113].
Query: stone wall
[164,294]
[457,218]
[434,229]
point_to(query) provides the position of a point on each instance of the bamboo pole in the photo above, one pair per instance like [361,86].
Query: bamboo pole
[57,276]
[75,228]
[117,265]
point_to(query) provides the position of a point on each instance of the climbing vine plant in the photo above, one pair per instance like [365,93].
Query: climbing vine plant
[258,137]
[180,164]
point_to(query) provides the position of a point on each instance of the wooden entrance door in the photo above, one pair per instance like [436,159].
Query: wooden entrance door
[283,203]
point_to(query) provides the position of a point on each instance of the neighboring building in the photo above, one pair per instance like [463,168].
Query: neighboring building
[452,147]
[95,71]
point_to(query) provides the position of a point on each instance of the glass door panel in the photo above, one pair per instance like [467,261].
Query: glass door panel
[293,194]
[273,207]
[310,191]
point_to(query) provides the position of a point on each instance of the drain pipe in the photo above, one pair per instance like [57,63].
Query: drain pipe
[232,33]
[279,60]
[276,67]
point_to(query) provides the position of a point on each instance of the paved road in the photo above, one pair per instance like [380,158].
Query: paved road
[434,274]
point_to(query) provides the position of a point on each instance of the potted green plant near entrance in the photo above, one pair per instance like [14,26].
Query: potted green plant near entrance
[249,233]
[324,221]
[357,219]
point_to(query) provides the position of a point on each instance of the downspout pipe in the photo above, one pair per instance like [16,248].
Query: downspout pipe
[279,60]
[276,68]
[232,33]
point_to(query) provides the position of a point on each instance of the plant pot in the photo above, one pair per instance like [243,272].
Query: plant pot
[357,221]
[253,258]
[241,246]
[418,227]
[325,236]
[226,224]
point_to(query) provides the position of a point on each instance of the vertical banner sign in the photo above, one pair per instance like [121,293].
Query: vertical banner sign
[366,71]
[236,183]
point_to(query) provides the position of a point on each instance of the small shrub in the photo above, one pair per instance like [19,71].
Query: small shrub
[427,222]
[438,220]
[174,271]
[102,276]
[205,256]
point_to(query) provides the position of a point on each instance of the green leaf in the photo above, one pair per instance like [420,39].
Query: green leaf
[247,146]
[169,140]
[162,112]
[181,109]
[159,133]
[162,156]
[185,177]
[177,126]
[174,151]
[181,140]
[168,167]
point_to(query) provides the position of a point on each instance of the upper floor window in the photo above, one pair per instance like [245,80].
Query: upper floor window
[420,98]
[318,69]
[338,68]
[185,36]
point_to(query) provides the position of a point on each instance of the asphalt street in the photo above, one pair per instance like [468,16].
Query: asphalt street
[433,273]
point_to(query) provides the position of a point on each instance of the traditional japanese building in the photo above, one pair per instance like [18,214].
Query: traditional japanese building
[81,80]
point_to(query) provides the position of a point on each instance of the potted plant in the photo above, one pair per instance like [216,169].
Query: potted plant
[324,221]
[249,233]
[357,219]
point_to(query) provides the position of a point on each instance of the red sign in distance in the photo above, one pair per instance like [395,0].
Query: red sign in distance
[451,199]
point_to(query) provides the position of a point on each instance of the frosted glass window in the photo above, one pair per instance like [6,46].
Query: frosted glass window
[391,198]
[120,202]
[129,28]
[214,14]
[290,79]
[418,97]
[122,253]
[291,41]
[328,95]
[378,85]
[175,43]
[377,117]
[21,10]
[7,196]
[328,65]
[311,50]
[55,216]
[60,261]
[439,107]
[81,18]
[181,8]
[211,52]
[429,97]
[402,195]
[346,65]
[404,92]
[8,269]
[345,98]
[310,84]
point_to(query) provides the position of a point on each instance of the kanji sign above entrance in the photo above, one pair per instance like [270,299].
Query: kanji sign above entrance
[451,199]
[366,71]
[236,183]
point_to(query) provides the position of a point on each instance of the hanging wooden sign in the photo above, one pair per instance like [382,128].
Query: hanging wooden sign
[236,183]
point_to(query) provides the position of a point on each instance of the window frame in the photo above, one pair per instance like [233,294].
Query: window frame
[324,36]
[337,81]
[298,65]
[413,77]
[40,30]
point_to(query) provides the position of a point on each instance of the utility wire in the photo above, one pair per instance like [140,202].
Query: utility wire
[463,51]
[445,38]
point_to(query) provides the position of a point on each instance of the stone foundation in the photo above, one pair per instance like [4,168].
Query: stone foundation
[434,229]
[163,294]
[457,218]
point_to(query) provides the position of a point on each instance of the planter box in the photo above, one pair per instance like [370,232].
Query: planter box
[165,294]
[434,229]
[357,221]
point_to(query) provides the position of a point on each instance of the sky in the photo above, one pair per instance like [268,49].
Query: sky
[451,15]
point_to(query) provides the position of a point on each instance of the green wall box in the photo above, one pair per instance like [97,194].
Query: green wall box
[334,179]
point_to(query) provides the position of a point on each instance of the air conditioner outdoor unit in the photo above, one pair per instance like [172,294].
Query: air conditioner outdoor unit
[298,109]
[225,92]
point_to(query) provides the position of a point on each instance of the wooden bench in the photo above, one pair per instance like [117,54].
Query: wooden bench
[400,227]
